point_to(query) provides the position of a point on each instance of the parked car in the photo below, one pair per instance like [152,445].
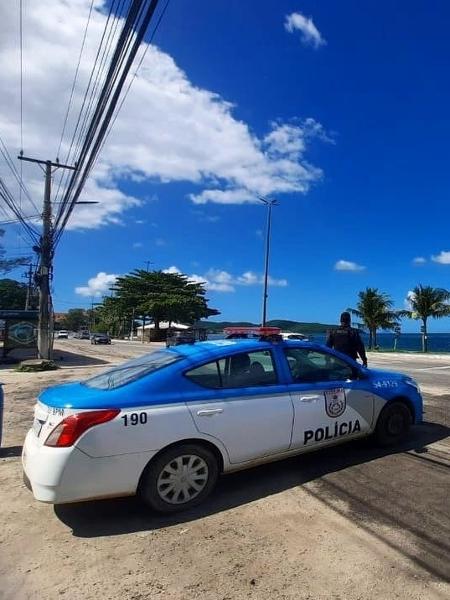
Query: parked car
[83,335]
[62,334]
[288,335]
[100,338]
[187,336]
[167,424]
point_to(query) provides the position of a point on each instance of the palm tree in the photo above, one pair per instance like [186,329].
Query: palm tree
[375,310]
[427,301]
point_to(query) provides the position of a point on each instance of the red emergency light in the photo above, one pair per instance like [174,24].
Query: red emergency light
[249,331]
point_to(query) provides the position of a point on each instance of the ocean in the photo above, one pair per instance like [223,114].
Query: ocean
[407,342]
[412,342]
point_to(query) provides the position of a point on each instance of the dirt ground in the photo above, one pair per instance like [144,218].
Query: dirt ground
[348,523]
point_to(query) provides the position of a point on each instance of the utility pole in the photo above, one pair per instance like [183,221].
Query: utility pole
[148,263]
[132,325]
[46,251]
[269,204]
[29,277]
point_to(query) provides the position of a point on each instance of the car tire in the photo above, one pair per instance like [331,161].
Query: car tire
[166,486]
[393,424]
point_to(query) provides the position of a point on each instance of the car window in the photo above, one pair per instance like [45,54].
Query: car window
[311,366]
[207,375]
[132,370]
[246,369]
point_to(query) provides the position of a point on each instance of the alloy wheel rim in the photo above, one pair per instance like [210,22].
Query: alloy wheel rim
[182,479]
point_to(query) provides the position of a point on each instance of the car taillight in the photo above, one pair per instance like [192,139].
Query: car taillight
[69,430]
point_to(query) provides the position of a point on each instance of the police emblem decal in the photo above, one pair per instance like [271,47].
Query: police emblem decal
[335,402]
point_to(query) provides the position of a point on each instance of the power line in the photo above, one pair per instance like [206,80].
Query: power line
[136,72]
[11,221]
[69,156]
[17,176]
[75,77]
[133,31]
[11,204]
[21,97]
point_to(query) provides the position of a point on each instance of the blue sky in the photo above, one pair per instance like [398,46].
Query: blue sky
[364,87]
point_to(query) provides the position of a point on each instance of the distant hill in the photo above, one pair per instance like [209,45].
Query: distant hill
[294,326]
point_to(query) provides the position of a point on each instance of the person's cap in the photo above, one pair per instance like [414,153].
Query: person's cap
[346,318]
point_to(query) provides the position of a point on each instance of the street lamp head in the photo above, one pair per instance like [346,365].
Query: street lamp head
[268,201]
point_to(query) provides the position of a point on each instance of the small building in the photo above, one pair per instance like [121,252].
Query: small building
[164,326]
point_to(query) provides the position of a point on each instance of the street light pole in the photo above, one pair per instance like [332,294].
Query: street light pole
[269,204]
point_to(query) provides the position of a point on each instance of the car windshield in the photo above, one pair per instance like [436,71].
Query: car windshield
[132,370]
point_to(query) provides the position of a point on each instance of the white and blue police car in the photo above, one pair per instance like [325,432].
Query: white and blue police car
[167,424]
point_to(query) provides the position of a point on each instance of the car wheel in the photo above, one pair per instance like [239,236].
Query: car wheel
[179,478]
[393,424]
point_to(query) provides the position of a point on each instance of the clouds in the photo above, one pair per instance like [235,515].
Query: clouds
[410,296]
[309,34]
[218,280]
[347,265]
[97,286]
[228,162]
[442,258]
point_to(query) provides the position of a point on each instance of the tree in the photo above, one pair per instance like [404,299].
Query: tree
[6,264]
[13,294]
[375,309]
[75,319]
[159,296]
[427,301]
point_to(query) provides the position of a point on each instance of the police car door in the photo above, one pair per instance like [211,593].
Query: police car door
[248,410]
[330,402]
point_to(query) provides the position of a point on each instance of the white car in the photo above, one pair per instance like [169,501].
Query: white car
[62,334]
[289,335]
[167,424]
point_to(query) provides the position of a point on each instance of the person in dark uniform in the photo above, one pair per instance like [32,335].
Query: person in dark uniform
[346,339]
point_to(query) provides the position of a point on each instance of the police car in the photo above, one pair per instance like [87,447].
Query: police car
[167,424]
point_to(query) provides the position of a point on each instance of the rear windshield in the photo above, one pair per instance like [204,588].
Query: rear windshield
[132,370]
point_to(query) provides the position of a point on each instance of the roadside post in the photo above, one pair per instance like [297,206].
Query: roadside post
[397,333]
[424,338]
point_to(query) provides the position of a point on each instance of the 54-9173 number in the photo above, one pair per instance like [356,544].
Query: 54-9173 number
[135,419]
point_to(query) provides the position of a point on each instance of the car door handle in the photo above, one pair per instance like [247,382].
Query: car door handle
[209,412]
[314,398]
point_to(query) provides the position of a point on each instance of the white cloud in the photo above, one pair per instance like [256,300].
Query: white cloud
[216,151]
[218,280]
[407,301]
[138,245]
[173,269]
[348,265]
[443,257]
[97,286]
[160,242]
[232,196]
[309,34]
[419,260]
